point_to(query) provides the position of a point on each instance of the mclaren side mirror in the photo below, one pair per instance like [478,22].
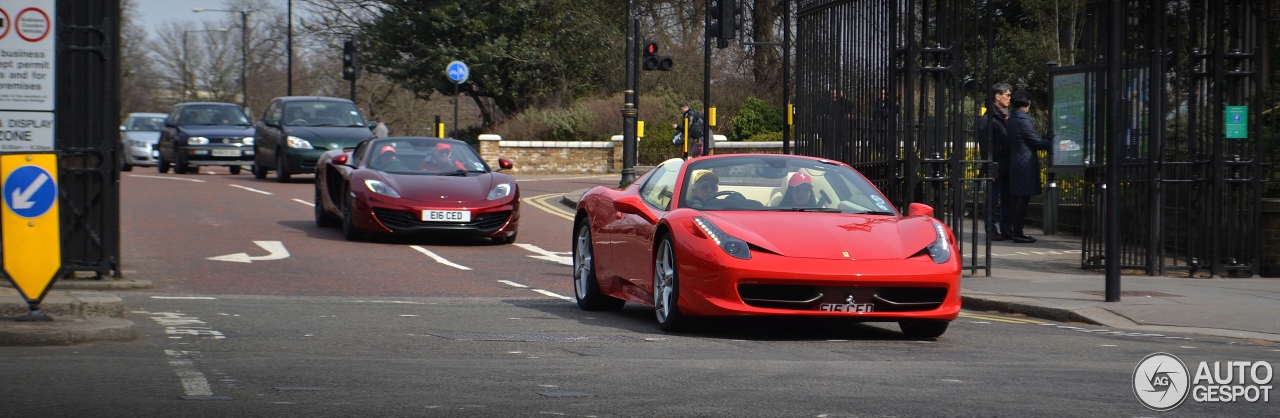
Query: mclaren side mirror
[920,209]
[504,164]
[341,159]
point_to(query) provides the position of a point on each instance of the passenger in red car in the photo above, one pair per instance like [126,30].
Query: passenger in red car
[799,192]
[387,160]
[441,160]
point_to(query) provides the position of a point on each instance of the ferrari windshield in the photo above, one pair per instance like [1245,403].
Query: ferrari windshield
[433,156]
[779,183]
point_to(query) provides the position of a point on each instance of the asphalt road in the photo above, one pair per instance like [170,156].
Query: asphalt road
[385,328]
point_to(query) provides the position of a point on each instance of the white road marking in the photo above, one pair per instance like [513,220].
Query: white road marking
[193,382]
[250,189]
[540,203]
[559,257]
[439,259]
[184,298]
[305,202]
[513,284]
[552,294]
[166,178]
[275,251]
[384,301]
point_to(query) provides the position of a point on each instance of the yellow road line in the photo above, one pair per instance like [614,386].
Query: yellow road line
[540,202]
[1000,319]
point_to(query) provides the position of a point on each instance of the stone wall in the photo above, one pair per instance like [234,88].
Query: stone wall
[583,157]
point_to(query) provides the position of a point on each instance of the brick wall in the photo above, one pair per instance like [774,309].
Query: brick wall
[583,157]
[1270,243]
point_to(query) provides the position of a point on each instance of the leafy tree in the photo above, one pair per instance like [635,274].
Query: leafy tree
[521,53]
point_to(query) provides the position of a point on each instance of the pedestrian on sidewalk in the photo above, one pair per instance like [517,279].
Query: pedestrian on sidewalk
[1024,164]
[380,129]
[692,123]
[993,144]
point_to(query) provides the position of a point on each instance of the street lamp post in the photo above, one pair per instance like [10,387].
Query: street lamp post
[186,89]
[244,52]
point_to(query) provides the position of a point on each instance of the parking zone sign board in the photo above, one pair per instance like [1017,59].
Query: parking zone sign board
[32,241]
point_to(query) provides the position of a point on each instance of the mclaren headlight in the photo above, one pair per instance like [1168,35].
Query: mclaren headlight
[729,243]
[381,188]
[500,191]
[197,140]
[295,142]
[940,249]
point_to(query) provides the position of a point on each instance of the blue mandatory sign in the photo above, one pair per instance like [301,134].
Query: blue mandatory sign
[30,191]
[457,72]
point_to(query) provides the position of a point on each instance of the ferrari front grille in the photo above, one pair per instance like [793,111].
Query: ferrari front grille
[803,297]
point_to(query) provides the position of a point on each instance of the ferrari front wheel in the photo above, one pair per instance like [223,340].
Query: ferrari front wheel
[585,287]
[924,328]
[666,287]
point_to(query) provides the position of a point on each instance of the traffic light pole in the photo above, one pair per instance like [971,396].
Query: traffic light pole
[629,112]
[708,138]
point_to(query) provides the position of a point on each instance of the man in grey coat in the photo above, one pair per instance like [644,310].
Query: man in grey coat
[1024,164]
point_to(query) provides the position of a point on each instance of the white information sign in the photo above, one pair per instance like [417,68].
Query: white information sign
[26,131]
[26,54]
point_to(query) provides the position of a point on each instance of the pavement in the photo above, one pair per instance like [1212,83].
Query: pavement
[1038,280]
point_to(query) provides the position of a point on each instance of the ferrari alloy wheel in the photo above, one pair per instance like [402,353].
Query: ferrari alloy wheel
[349,230]
[323,218]
[585,287]
[666,287]
[162,166]
[282,174]
[924,328]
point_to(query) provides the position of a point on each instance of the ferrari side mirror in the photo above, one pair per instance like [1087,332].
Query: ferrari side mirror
[629,205]
[920,209]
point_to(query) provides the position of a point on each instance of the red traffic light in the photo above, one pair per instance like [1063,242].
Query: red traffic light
[651,48]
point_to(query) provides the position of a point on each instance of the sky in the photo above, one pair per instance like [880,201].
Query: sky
[153,14]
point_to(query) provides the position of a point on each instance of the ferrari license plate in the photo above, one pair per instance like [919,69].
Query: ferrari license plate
[446,216]
[846,307]
[226,153]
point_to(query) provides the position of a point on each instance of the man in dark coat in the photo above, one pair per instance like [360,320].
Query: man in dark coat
[1024,164]
[993,144]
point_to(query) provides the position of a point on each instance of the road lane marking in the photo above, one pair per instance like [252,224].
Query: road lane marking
[1000,319]
[564,257]
[185,297]
[275,251]
[513,284]
[540,203]
[439,259]
[193,382]
[304,202]
[165,178]
[552,294]
[250,189]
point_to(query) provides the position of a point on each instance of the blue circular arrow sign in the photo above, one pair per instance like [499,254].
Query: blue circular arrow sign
[30,191]
[457,72]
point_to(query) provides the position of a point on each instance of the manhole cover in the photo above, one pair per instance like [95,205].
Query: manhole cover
[1131,293]
[531,337]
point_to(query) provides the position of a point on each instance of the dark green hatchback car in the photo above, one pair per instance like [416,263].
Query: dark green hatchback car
[294,131]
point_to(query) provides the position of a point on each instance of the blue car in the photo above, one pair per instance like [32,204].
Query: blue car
[197,134]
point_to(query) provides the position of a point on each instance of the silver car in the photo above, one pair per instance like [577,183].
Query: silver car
[138,137]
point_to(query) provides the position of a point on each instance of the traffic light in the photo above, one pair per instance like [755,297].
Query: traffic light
[724,21]
[653,61]
[350,61]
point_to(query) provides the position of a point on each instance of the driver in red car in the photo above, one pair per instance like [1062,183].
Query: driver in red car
[705,185]
[387,160]
[441,160]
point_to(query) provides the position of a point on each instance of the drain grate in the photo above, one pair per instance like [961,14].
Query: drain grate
[1131,293]
[531,337]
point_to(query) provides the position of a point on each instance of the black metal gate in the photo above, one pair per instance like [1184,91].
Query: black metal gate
[86,134]
[882,86]
[1191,191]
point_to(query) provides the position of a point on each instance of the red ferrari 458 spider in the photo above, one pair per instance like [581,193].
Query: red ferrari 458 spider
[412,185]
[750,234]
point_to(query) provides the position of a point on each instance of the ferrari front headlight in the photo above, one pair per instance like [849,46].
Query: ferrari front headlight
[500,191]
[381,188]
[730,244]
[940,249]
